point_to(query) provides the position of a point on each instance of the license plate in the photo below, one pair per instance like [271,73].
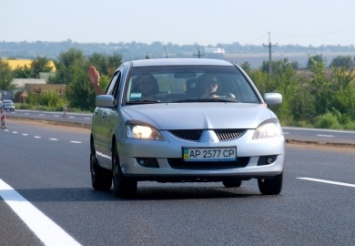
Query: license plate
[210,154]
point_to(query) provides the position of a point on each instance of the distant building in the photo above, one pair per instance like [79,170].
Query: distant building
[215,50]
[40,88]
[20,83]
[37,86]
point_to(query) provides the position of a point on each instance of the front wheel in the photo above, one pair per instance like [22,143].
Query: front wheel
[271,186]
[122,186]
[101,179]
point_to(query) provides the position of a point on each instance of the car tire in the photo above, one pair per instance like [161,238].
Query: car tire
[122,186]
[101,179]
[271,186]
[229,183]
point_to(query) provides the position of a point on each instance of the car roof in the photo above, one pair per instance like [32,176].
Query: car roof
[179,61]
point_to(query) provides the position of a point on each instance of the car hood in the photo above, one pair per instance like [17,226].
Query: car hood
[200,115]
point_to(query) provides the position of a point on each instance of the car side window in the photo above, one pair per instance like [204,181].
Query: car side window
[112,89]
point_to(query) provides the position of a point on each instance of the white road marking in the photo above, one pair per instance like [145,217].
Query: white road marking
[325,136]
[42,226]
[56,115]
[327,181]
[285,133]
[75,142]
[38,137]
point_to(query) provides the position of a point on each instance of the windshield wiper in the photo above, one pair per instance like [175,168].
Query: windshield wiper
[143,101]
[205,100]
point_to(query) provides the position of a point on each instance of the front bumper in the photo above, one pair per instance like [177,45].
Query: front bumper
[165,159]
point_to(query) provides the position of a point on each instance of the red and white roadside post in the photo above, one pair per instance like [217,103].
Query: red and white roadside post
[65,109]
[3,117]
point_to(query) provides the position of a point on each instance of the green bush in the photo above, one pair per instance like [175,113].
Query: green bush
[49,100]
[327,120]
[349,126]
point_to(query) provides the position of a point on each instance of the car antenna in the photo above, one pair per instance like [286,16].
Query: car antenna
[199,54]
[166,53]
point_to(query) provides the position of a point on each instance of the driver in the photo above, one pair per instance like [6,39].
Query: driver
[210,88]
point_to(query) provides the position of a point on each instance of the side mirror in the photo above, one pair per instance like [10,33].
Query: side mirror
[105,101]
[272,98]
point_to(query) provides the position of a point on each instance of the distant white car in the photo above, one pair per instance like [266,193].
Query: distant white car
[205,121]
[8,105]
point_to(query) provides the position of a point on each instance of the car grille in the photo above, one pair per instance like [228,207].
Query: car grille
[222,134]
[193,135]
[227,134]
[178,163]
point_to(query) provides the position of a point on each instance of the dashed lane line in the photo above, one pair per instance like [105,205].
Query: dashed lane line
[39,137]
[327,181]
[43,227]
[77,142]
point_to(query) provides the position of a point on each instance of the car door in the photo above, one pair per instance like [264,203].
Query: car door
[102,122]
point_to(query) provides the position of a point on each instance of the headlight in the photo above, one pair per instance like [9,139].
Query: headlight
[268,130]
[143,132]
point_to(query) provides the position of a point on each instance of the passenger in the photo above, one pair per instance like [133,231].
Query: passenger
[94,77]
[148,86]
[210,88]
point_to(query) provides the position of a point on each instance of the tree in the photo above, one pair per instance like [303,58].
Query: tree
[246,67]
[66,66]
[71,57]
[321,87]
[284,81]
[277,65]
[22,72]
[5,76]
[315,59]
[79,92]
[343,62]
[99,61]
[107,65]
[114,61]
[40,64]
[72,69]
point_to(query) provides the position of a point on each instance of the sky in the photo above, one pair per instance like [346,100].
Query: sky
[181,22]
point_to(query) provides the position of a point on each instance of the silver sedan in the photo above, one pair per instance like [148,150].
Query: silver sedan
[8,105]
[185,120]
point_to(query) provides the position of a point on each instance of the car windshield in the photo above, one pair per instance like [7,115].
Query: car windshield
[181,84]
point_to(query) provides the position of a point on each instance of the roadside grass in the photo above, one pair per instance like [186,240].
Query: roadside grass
[27,106]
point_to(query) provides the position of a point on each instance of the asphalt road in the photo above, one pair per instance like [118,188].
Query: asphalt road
[306,135]
[47,166]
